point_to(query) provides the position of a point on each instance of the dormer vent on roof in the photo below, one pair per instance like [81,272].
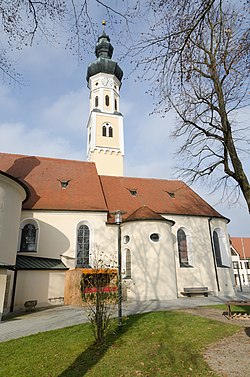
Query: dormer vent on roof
[171,194]
[64,183]
[133,192]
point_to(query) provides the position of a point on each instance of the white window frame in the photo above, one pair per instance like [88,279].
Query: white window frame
[37,227]
[91,233]
[124,264]
[189,247]
[107,126]
[224,250]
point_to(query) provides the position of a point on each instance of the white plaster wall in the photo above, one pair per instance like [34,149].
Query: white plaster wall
[153,263]
[57,239]
[58,234]
[203,271]
[225,275]
[47,287]
[156,273]
[3,278]
[11,197]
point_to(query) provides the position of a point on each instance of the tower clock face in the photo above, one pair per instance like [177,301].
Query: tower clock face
[107,82]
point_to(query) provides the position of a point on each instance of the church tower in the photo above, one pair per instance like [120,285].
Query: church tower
[105,145]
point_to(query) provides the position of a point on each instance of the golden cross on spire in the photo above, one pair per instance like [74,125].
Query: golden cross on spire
[103,25]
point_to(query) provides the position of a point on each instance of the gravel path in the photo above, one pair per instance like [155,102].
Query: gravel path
[230,357]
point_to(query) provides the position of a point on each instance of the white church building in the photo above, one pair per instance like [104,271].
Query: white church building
[56,214]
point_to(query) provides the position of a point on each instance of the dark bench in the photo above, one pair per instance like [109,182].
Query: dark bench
[31,304]
[195,290]
[235,303]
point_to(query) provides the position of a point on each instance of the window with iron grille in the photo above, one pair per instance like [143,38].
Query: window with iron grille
[28,238]
[83,246]
[182,247]
[128,264]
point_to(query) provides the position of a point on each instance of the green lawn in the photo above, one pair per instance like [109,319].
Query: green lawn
[150,345]
[234,309]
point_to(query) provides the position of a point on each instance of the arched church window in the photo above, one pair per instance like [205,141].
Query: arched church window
[220,249]
[128,264]
[29,233]
[110,131]
[96,101]
[115,104]
[104,130]
[217,249]
[184,248]
[107,100]
[83,243]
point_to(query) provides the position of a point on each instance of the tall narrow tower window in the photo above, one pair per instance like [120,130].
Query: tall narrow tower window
[107,100]
[110,131]
[115,104]
[96,101]
[104,131]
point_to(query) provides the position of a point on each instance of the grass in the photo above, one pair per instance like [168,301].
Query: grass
[234,308]
[149,345]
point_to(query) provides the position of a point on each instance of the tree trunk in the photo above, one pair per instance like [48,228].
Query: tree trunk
[230,152]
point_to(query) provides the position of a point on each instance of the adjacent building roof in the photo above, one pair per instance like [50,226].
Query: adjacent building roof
[24,262]
[57,184]
[242,246]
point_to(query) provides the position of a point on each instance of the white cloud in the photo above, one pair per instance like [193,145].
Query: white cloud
[19,138]
[7,101]
[66,113]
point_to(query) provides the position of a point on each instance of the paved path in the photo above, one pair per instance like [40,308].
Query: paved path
[57,317]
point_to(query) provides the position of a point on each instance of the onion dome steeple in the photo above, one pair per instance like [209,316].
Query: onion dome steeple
[103,47]
[105,140]
[104,62]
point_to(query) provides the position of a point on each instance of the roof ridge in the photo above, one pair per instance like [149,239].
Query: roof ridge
[45,157]
[146,178]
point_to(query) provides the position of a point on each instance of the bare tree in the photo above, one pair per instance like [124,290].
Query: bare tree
[73,22]
[195,52]
[99,293]
[198,59]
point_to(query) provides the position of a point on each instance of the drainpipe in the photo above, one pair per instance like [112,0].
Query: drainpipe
[212,246]
[13,291]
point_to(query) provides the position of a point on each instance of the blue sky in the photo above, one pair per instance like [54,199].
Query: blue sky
[48,115]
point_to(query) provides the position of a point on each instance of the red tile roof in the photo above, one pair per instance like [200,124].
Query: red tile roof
[242,246]
[162,196]
[88,191]
[145,213]
[43,175]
